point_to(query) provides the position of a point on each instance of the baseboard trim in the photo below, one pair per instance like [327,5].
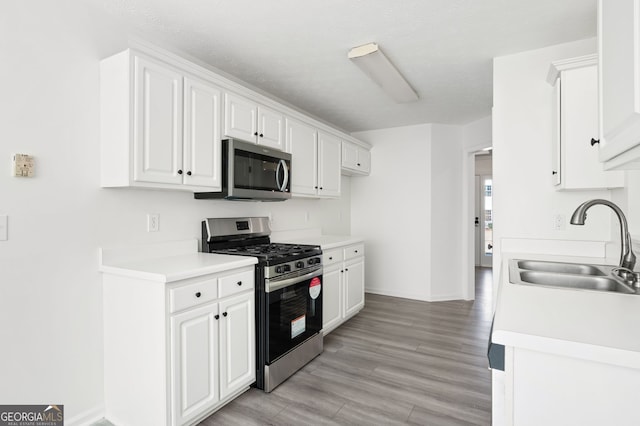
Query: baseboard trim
[87,417]
[437,298]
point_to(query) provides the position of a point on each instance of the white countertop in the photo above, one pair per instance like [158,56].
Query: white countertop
[593,325]
[168,262]
[327,242]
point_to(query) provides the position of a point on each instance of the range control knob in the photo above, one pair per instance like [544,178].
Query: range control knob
[299,264]
[287,268]
[279,269]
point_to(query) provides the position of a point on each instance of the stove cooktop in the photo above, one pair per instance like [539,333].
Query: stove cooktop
[273,251]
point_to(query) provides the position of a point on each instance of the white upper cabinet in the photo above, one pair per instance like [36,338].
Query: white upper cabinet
[302,140]
[251,122]
[157,123]
[356,160]
[619,75]
[159,126]
[315,160]
[329,154]
[575,149]
[202,150]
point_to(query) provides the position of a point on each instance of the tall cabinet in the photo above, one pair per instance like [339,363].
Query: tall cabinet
[619,77]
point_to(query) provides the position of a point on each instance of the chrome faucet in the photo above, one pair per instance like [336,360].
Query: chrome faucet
[627,258]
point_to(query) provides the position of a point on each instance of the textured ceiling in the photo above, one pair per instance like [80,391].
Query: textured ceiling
[297,49]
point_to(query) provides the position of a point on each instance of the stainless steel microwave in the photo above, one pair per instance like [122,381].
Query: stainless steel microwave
[252,172]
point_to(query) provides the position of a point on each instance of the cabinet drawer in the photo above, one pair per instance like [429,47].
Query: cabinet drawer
[330,257]
[193,294]
[356,250]
[235,283]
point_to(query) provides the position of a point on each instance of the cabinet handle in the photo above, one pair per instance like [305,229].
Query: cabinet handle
[330,258]
[342,271]
[358,164]
[217,316]
[321,188]
[356,251]
[189,173]
[347,269]
[239,282]
[594,141]
[554,172]
[198,294]
[179,172]
[224,314]
[255,134]
[315,187]
[261,135]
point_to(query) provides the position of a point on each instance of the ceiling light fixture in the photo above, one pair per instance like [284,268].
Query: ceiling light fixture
[372,61]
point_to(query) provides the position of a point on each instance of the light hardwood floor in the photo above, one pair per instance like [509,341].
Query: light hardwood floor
[397,362]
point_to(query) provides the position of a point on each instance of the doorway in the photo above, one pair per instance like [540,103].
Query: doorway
[483,221]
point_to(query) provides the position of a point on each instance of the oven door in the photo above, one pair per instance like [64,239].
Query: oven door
[294,312]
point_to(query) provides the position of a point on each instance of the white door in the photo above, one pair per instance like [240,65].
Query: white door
[237,344]
[354,287]
[302,143]
[240,118]
[331,297]
[194,343]
[329,165]
[157,123]
[271,128]
[486,221]
[202,148]
[476,221]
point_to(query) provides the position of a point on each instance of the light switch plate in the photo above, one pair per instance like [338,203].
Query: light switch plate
[23,165]
[4,220]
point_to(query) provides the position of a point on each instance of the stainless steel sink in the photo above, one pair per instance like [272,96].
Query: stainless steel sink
[567,275]
[563,268]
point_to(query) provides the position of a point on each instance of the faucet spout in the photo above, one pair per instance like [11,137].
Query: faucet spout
[627,258]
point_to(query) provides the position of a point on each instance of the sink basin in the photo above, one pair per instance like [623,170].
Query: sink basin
[567,275]
[574,281]
[563,268]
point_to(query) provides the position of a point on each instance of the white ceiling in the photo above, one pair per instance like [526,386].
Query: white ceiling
[297,49]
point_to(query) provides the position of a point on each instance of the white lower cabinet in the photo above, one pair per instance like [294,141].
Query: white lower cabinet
[176,352]
[343,288]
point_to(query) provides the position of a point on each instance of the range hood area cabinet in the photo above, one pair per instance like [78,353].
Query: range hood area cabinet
[159,125]
[252,122]
[619,78]
[315,160]
[575,162]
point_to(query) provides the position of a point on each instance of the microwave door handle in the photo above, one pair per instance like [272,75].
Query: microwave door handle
[278,175]
[286,175]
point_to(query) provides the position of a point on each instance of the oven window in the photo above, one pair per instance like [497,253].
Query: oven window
[294,316]
[256,171]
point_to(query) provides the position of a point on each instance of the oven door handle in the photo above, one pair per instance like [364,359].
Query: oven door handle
[277,285]
[282,186]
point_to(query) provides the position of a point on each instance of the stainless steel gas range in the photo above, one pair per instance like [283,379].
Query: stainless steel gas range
[288,294]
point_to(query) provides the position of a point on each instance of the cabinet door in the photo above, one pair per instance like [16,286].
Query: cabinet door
[349,155]
[329,165]
[354,287]
[237,344]
[619,60]
[202,146]
[332,297]
[240,118]
[580,167]
[364,160]
[194,362]
[271,128]
[157,135]
[302,142]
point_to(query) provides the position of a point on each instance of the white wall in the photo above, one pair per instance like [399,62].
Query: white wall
[410,211]
[50,288]
[525,201]
[391,208]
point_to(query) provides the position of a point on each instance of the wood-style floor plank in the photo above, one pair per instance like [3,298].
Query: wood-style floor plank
[397,362]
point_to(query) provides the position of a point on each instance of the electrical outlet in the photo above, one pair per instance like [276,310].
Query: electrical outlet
[559,222]
[153,222]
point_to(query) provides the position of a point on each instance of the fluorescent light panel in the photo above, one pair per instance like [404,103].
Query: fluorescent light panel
[372,61]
